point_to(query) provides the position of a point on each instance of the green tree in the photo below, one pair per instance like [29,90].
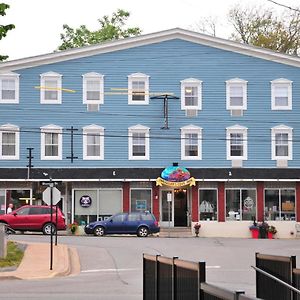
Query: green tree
[111,28]
[4,28]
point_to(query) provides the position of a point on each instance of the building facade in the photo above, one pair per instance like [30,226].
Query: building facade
[104,121]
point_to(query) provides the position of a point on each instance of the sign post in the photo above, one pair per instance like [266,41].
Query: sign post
[169,199]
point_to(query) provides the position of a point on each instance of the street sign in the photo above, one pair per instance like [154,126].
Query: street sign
[56,195]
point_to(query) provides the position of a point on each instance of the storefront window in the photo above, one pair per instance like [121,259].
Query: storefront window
[280,204]
[208,204]
[140,200]
[240,204]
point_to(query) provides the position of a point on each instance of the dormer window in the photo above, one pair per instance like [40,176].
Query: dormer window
[51,88]
[138,89]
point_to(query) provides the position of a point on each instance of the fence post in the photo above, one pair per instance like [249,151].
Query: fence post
[238,293]
[3,246]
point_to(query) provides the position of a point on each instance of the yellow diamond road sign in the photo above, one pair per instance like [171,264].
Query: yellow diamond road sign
[55,195]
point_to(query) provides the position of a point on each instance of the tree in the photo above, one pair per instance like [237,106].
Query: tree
[263,28]
[111,28]
[4,28]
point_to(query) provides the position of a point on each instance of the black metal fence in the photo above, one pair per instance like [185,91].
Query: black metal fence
[296,283]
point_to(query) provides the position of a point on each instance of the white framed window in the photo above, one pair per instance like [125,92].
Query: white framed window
[51,142]
[191,94]
[236,94]
[138,142]
[51,88]
[10,142]
[93,88]
[93,142]
[281,94]
[282,142]
[9,88]
[138,89]
[236,139]
[191,142]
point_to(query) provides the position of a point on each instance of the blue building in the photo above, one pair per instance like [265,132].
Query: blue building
[105,120]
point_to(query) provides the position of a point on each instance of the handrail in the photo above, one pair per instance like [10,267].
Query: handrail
[276,279]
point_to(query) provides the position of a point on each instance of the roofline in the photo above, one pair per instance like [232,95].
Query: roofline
[141,40]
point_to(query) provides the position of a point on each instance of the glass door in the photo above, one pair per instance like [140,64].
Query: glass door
[167,208]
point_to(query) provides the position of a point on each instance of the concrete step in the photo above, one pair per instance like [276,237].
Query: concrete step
[175,232]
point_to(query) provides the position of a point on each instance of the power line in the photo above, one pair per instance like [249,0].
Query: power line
[285,6]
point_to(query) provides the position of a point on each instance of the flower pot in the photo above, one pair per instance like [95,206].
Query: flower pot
[270,235]
[255,233]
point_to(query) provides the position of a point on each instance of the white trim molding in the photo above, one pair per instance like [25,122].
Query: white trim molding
[14,130]
[142,135]
[188,134]
[98,133]
[9,82]
[236,88]
[282,141]
[56,132]
[281,91]
[93,83]
[236,136]
[191,88]
[51,86]
[139,83]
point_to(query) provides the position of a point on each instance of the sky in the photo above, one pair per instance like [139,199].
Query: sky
[39,22]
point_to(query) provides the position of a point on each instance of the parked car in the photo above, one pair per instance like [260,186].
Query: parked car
[34,218]
[140,223]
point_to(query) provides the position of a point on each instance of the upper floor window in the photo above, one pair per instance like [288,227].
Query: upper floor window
[191,142]
[191,94]
[9,88]
[9,141]
[236,142]
[236,94]
[93,88]
[281,94]
[138,144]
[93,142]
[138,89]
[51,88]
[51,142]
[282,142]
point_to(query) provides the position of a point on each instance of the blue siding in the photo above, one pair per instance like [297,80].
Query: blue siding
[167,63]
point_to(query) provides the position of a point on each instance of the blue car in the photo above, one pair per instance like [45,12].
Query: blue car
[140,223]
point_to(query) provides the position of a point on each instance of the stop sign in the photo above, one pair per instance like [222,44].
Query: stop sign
[55,195]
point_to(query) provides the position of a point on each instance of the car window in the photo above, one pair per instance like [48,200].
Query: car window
[147,217]
[35,211]
[119,218]
[23,211]
[133,217]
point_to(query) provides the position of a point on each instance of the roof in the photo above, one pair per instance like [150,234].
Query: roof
[147,39]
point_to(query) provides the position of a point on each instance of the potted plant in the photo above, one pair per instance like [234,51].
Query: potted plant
[73,227]
[271,231]
[197,226]
[254,230]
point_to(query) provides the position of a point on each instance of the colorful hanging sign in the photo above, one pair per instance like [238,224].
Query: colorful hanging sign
[175,177]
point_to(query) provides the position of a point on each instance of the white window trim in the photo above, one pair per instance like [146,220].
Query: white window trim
[191,129]
[93,129]
[191,82]
[136,77]
[9,128]
[282,129]
[237,129]
[281,81]
[52,75]
[51,129]
[138,129]
[243,83]
[85,78]
[16,77]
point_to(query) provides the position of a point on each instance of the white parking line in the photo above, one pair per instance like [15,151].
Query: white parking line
[213,267]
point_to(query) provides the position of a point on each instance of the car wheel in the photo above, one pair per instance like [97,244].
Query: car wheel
[48,227]
[143,231]
[99,231]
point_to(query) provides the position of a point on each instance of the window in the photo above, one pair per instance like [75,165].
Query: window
[10,142]
[51,142]
[51,88]
[138,142]
[140,200]
[93,88]
[138,89]
[208,204]
[282,142]
[279,204]
[191,142]
[236,142]
[119,218]
[93,142]
[240,204]
[9,88]
[236,94]
[191,94]
[281,94]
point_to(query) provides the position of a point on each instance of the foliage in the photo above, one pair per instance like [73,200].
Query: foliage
[272,229]
[73,227]
[111,28]
[14,255]
[4,28]
[262,27]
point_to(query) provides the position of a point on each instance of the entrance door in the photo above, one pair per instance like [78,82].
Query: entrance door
[180,207]
[167,208]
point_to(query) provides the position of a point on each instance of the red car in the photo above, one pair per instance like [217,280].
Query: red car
[35,218]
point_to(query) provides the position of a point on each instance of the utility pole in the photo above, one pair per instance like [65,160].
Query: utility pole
[29,166]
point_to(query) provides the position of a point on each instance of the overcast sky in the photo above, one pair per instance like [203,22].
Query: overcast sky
[39,22]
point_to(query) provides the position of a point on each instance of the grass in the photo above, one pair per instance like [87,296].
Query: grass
[14,256]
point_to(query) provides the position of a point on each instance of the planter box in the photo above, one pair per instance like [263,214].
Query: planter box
[270,235]
[254,233]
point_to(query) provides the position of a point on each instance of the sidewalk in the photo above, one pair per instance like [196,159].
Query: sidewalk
[36,263]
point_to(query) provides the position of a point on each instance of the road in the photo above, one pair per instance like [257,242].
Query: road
[111,267]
